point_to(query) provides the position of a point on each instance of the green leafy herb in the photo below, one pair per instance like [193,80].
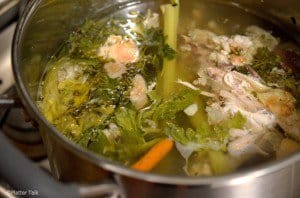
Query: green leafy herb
[265,63]
[95,140]
[64,87]
[91,35]
[206,137]
[168,109]
[127,146]
[153,50]
[109,91]
[237,122]
[265,60]
[127,119]
[153,41]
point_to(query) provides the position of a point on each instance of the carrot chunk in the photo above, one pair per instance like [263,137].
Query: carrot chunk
[154,155]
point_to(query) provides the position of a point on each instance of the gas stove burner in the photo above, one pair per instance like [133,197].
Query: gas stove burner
[18,129]
[23,135]
[14,119]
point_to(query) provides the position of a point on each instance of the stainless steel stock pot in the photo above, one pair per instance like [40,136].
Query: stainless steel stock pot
[41,29]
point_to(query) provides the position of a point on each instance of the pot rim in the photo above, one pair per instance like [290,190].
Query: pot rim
[241,176]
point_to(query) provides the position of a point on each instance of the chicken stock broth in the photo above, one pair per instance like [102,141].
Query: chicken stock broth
[204,94]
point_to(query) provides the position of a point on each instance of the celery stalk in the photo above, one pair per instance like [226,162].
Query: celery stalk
[171,19]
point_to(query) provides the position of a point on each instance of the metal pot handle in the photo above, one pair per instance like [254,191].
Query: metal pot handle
[23,175]
[6,101]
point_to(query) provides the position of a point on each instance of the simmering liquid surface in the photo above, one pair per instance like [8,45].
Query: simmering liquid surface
[233,101]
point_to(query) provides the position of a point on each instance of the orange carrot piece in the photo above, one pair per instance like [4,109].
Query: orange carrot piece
[154,155]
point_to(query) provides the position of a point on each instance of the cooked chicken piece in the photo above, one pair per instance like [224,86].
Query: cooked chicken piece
[242,100]
[202,77]
[259,136]
[269,142]
[224,51]
[119,49]
[282,104]
[138,94]
[243,146]
[115,69]
[200,37]
[236,89]
[216,113]
[291,125]
[237,50]
[247,145]
[237,133]
[238,60]
[221,58]
[255,84]
[261,38]
[233,80]
[287,147]
[239,42]
[215,79]
[235,83]
[257,122]
[152,20]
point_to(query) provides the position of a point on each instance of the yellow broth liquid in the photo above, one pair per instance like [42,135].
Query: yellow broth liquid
[221,19]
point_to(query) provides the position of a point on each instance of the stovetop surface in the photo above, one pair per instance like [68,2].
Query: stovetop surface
[14,123]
